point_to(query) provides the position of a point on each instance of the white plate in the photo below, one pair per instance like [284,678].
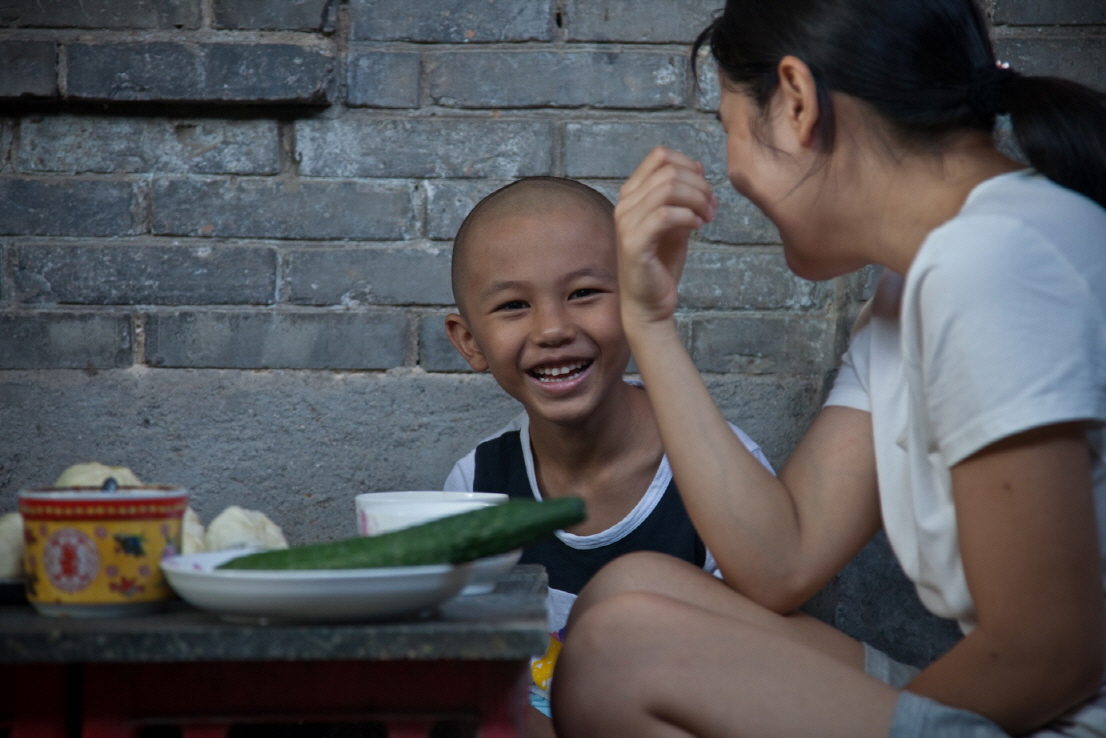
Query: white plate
[487,571]
[328,595]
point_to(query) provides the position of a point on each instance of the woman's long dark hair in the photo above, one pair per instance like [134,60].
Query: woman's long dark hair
[927,66]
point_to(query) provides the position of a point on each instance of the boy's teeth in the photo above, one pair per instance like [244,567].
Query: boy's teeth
[550,372]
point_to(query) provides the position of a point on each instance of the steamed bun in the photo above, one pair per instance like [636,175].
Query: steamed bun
[94,474]
[238,528]
[192,533]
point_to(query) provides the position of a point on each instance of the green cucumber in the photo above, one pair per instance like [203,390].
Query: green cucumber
[472,535]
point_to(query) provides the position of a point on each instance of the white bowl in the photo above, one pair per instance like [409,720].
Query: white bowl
[383,512]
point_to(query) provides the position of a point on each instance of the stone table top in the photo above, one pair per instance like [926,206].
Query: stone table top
[506,624]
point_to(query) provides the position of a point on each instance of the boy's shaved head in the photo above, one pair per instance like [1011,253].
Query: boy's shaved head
[526,197]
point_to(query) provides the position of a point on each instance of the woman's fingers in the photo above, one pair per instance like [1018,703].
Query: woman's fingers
[657,158]
[665,170]
[665,199]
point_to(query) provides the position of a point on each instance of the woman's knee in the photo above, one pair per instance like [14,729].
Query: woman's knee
[605,666]
[632,572]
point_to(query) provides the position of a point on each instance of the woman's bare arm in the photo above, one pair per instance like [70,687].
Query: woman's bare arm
[1028,538]
[777,540]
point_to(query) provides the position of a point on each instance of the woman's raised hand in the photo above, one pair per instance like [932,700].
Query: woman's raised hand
[665,199]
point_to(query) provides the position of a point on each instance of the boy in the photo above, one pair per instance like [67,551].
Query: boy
[535,282]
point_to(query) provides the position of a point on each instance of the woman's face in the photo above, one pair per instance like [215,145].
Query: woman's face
[768,162]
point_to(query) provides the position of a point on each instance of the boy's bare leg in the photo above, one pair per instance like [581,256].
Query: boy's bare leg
[650,572]
[641,665]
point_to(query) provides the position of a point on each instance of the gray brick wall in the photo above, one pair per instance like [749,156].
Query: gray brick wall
[452,21]
[225,231]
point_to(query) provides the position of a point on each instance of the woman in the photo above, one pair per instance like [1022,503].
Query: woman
[967,417]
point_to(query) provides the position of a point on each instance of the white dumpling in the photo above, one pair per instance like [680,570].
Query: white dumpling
[192,533]
[94,474]
[238,528]
[11,546]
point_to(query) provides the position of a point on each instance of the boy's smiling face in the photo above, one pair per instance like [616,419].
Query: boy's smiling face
[540,297]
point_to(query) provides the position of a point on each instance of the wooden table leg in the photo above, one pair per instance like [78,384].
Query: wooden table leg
[504,698]
[39,706]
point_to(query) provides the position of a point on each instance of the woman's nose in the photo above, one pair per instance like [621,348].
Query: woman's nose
[553,328]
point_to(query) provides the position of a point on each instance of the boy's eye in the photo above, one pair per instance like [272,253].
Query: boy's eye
[512,305]
[585,292]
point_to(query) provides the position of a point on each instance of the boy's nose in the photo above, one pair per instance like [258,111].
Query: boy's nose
[552,328]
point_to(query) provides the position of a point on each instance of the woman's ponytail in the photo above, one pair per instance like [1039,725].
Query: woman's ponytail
[1061,128]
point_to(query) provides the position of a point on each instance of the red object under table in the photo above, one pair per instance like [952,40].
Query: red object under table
[109,678]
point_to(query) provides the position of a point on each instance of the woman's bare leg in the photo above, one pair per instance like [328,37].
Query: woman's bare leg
[650,572]
[643,665]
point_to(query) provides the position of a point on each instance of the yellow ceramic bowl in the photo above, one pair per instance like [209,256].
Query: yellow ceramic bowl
[89,553]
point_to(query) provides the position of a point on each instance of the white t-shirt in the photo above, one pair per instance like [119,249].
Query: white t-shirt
[999,327]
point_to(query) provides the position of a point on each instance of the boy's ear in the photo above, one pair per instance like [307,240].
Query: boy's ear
[457,328]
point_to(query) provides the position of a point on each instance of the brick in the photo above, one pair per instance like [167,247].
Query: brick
[614,149]
[763,344]
[162,70]
[7,136]
[66,143]
[520,79]
[383,79]
[738,279]
[652,21]
[436,353]
[64,340]
[449,201]
[1049,12]
[5,282]
[286,15]
[452,20]
[707,91]
[103,14]
[1079,59]
[122,274]
[266,208]
[28,68]
[276,340]
[369,276]
[67,207]
[738,221]
[439,147]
